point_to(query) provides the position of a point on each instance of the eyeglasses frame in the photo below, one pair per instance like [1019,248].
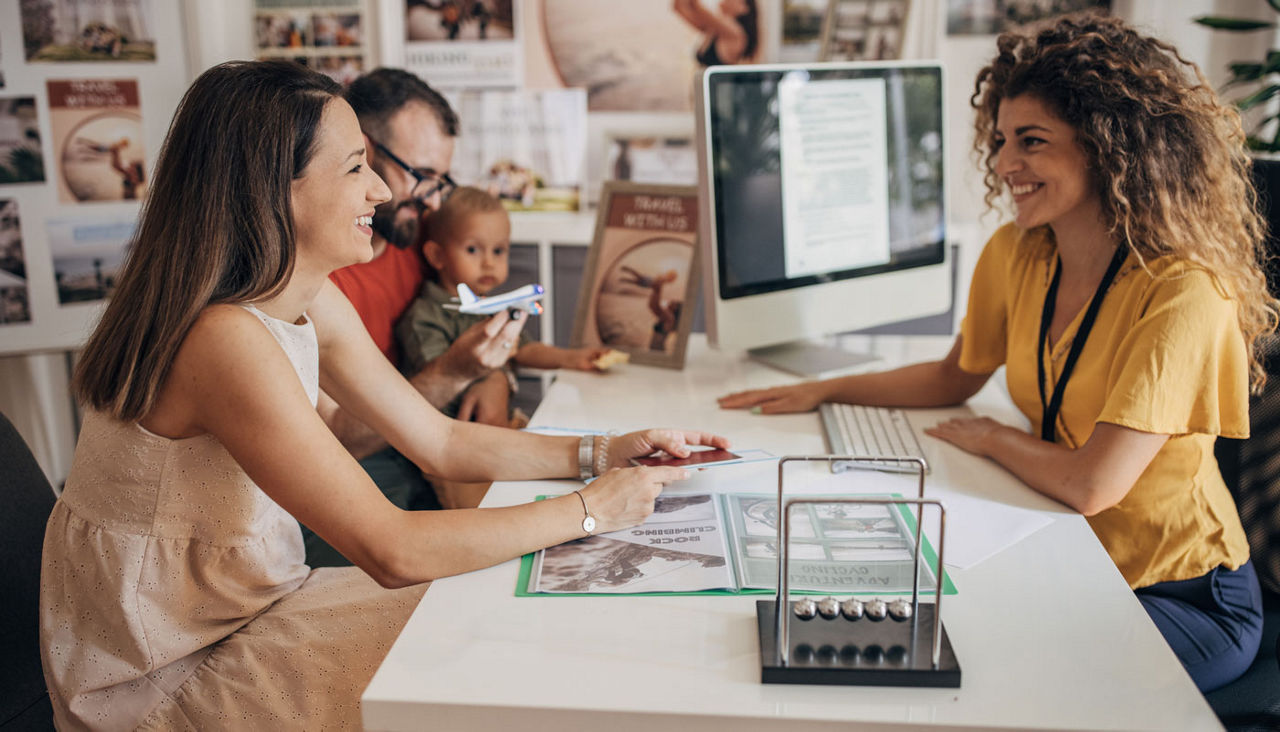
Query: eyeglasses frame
[439,183]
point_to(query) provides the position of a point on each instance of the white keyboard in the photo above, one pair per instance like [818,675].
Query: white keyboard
[853,429]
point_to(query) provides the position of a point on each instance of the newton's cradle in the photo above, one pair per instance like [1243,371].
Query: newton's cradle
[856,642]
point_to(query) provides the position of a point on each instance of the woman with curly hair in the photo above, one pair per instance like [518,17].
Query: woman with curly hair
[1127,302]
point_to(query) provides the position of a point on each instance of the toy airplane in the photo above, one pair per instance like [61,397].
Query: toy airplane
[525,298]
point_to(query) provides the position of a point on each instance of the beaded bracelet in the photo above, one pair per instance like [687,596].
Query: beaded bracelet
[602,454]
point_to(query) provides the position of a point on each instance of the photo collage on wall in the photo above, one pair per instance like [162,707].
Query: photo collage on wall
[329,36]
[71,201]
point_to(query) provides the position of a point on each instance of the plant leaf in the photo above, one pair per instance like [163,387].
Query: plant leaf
[1258,97]
[1242,72]
[1233,24]
[1275,5]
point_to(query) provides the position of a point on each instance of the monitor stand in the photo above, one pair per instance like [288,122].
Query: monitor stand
[811,360]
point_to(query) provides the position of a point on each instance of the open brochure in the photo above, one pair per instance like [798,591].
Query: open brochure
[728,543]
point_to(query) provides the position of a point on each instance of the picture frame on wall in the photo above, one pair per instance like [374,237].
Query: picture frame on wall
[640,281]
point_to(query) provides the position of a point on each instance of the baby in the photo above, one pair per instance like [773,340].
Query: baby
[467,243]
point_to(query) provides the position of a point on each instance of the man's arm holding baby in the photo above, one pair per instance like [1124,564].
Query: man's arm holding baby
[475,353]
[488,400]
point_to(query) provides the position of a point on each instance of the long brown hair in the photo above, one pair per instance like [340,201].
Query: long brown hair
[217,226]
[1167,157]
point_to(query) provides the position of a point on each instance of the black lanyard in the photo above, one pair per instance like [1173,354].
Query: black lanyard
[1048,427]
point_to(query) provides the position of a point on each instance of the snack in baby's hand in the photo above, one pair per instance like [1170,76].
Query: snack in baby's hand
[611,358]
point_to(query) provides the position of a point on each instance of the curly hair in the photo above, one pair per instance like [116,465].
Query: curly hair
[1167,158]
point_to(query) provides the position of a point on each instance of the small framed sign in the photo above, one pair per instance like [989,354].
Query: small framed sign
[641,277]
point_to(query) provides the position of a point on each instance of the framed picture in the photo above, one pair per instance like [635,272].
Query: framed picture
[864,30]
[641,275]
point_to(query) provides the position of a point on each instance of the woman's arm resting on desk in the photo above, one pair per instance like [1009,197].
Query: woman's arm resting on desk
[1091,479]
[932,384]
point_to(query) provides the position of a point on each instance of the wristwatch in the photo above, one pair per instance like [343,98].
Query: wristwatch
[589,521]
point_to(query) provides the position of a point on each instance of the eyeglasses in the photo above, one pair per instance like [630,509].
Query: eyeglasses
[428,183]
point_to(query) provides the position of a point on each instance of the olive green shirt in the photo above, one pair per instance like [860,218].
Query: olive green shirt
[427,329]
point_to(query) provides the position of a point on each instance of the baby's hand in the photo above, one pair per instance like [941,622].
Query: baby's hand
[584,359]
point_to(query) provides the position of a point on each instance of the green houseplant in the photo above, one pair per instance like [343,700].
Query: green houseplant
[1264,74]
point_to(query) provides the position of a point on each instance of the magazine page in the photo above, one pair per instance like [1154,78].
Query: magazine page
[681,548]
[835,548]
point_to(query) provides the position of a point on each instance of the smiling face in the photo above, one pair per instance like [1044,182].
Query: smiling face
[476,255]
[1042,165]
[333,201]
[415,136]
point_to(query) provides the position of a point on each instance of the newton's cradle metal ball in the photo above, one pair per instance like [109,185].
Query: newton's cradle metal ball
[852,609]
[829,608]
[900,609]
[876,609]
[806,608]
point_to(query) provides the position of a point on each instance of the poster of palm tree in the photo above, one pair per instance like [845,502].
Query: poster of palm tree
[88,30]
[21,160]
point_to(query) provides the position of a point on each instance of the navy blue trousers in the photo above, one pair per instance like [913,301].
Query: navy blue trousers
[1213,623]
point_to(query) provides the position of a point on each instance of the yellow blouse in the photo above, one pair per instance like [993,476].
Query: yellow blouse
[1165,356]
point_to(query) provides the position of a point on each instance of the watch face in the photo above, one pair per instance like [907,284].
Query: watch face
[589,524]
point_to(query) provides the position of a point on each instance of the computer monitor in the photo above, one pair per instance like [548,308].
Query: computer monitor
[822,205]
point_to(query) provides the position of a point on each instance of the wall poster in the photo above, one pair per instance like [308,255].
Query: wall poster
[15,305]
[21,159]
[88,30]
[526,148]
[97,139]
[87,255]
[463,43]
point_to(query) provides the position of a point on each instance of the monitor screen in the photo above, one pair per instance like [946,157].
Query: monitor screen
[824,173]
[822,195]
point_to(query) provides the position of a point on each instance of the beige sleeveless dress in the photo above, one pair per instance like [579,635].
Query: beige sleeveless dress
[174,594]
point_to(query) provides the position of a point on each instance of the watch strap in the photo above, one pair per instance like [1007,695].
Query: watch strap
[588,521]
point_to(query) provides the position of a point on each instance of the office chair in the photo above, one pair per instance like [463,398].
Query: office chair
[1251,469]
[28,500]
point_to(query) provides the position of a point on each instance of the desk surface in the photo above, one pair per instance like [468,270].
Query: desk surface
[1047,633]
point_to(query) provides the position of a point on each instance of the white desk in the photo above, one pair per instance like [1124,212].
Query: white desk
[1047,633]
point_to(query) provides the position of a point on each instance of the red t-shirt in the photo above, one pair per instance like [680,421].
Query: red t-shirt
[381,291]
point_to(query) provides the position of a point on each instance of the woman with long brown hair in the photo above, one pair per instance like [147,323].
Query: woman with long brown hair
[1127,302]
[173,589]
